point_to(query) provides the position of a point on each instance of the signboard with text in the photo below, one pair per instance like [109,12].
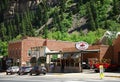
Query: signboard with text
[82,45]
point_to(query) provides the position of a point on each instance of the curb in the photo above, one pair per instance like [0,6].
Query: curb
[113,76]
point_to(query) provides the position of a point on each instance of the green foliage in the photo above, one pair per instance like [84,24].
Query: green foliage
[91,37]
[100,14]
[113,25]
[3,48]
[82,11]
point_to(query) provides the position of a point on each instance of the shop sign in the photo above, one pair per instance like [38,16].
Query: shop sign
[82,45]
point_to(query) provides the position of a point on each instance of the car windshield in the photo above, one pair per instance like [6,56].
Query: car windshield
[15,67]
[9,68]
[35,67]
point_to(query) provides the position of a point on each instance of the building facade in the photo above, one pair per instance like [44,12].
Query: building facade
[21,51]
[116,50]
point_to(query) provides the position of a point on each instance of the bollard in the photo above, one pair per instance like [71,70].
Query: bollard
[101,69]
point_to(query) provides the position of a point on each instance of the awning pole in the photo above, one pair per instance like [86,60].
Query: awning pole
[80,62]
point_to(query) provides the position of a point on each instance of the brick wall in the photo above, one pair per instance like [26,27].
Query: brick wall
[106,52]
[26,43]
[14,50]
[116,49]
[59,45]
[92,55]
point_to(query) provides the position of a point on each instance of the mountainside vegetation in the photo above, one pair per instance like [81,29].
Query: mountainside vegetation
[68,20]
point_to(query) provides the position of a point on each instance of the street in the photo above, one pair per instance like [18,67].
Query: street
[60,77]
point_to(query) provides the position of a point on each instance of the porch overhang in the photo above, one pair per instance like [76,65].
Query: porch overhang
[70,52]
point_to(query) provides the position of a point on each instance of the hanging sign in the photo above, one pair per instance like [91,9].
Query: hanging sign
[82,45]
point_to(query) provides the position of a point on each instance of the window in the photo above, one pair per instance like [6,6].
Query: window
[29,52]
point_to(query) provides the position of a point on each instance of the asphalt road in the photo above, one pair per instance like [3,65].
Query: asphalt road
[55,78]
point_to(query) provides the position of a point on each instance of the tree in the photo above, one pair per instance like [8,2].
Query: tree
[3,31]
[90,16]
[3,48]
[45,32]
[116,6]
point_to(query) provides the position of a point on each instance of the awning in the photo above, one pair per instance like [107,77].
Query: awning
[82,51]
[75,55]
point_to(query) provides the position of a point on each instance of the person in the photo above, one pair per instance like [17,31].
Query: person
[51,67]
[62,66]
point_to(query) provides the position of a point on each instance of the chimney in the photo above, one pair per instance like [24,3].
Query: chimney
[45,42]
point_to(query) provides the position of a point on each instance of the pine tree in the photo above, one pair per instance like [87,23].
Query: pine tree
[116,6]
[10,31]
[62,5]
[90,16]
[23,27]
[45,31]
[3,31]
[102,2]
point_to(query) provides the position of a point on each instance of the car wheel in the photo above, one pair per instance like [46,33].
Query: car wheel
[6,73]
[11,73]
[38,74]
[30,73]
[44,73]
[96,71]
[18,73]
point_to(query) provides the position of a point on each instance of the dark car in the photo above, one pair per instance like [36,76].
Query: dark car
[24,70]
[85,65]
[12,70]
[37,70]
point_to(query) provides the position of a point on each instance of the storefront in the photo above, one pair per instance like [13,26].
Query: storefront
[62,54]
[69,61]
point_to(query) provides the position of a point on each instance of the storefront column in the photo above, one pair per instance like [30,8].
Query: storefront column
[80,62]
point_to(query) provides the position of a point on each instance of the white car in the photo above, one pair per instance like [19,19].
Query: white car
[24,70]
[13,69]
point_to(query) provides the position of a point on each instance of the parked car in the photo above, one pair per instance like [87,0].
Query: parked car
[12,70]
[85,65]
[24,70]
[1,70]
[37,70]
[107,67]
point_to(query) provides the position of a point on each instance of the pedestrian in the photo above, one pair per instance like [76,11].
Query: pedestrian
[62,66]
[51,67]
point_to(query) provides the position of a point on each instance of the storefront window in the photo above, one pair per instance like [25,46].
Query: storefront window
[29,52]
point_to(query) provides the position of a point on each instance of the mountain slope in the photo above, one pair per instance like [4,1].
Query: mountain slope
[70,18]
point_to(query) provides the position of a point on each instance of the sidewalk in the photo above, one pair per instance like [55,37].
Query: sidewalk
[84,75]
[2,73]
[87,75]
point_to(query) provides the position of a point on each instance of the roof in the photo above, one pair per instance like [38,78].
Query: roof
[82,51]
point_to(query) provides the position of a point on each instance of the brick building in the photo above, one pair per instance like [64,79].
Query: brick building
[19,50]
[116,50]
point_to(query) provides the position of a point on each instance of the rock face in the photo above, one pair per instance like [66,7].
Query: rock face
[20,6]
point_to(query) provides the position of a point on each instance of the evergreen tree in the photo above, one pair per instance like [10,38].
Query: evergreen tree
[90,16]
[3,32]
[116,6]
[45,31]
[10,31]
[62,5]
[23,27]
[102,2]
[94,12]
